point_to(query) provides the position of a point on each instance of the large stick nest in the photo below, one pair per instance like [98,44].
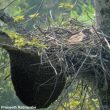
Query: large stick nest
[77,52]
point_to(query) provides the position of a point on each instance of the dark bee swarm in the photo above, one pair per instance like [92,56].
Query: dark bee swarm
[35,84]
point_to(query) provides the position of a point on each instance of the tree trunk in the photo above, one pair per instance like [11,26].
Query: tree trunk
[102,8]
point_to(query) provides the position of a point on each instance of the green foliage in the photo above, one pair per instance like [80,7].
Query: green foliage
[7,96]
[19,41]
[81,98]
[80,11]
[36,43]
[18,18]
[67,11]
[68,6]
[33,16]
[87,13]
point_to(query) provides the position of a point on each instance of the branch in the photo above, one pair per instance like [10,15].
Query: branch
[4,38]
[11,23]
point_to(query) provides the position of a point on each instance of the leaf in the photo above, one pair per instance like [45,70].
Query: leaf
[18,18]
[35,42]
[32,16]
[66,5]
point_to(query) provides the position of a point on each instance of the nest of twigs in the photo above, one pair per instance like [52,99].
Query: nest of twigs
[40,77]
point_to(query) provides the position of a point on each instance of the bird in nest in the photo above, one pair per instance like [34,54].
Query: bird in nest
[79,37]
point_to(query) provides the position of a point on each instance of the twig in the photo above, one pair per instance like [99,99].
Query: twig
[36,12]
[9,4]
[51,64]
[108,44]
[7,77]
[97,34]
[82,64]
